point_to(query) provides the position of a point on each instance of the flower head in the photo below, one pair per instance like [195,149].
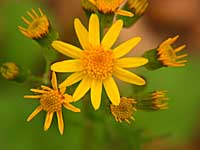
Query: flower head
[96,64]
[155,100]
[51,101]
[138,6]
[168,55]
[110,6]
[124,111]
[159,100]
[38,27]
[9,70]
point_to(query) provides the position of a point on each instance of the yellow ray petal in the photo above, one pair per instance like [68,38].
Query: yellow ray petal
[33,96]
[25,20]
[82,88]
[33,11]
[96,89]
[126,47]
[48,120]
[67,66]
[38,91]
[32,17]
[128,76]
[62,90]
[60,122]
[73,78]
[81,33]
[71,107]
[34,113]
[94,36]
[41,12]
[67,49]
[46,88]
[68,98]
[124,13]
[112,34]
[54,81]
[131,62]
[112,90]
[180,48]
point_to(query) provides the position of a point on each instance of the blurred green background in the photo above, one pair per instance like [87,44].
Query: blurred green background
[175,128]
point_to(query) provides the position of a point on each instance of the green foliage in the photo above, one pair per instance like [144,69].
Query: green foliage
[89,129]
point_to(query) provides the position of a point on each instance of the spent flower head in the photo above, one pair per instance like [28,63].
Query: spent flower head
[155,100]
[124,111]
[37,25]
[167,54]
[9,70]
[96,64]
[51,100]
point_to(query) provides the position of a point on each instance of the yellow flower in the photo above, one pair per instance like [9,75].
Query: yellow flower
[97,62]
[168,55]
[52,100]
[155,100]
[159,100]
[111,6]
[124,111]
[38,27]
[138,6]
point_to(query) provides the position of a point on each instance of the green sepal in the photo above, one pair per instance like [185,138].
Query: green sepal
[153,63]
[22,76]
[47,39]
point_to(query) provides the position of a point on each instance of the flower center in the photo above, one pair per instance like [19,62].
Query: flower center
[124,110]
[169,53]
[98,63]
[51,101]
[39,26]
[108,5]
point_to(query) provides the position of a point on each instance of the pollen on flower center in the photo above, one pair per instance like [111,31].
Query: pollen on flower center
[98,63]
[51,101]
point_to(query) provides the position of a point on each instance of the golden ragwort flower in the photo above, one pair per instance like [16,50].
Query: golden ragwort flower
[51,101]
[158,99]
[138,6]
[38,27]
[124,111]
[155,100]
[168,55]
[97,62]
[111,6]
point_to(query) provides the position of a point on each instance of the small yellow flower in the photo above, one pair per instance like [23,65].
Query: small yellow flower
[168,55]
[51,101]
[9,70]
[138,6]
[159,100]
[155,100]
[97,62]
[124,111]
[38,27]
[111,6]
